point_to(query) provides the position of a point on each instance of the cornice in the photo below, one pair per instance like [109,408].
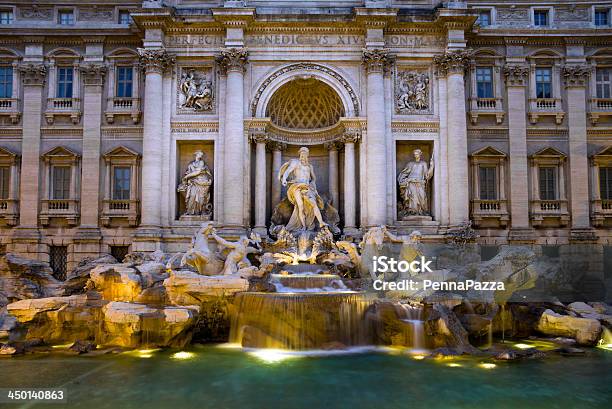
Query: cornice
[415,126]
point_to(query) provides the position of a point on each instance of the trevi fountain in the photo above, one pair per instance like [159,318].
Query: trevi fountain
[286,312]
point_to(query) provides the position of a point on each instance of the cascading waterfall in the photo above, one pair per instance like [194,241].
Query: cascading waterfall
[413,315]
[308,311]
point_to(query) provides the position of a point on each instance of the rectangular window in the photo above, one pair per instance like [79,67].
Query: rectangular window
[61,182]
[58,257]
[5,178]
[543,82]
[605,183]
[124,17]
[65,17]
[6,82]
[603,83]
[484,18]
[484,82]
[601,17]
[548,183]
[540,18]
[6,16]
[121,183]
[64,82]
[124,81]
[488,183]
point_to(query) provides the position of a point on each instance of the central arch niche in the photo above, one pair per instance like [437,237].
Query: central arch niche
[305,104]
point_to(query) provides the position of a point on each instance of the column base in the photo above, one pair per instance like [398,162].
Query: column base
[525,235]
[353,232]
[26,241]
[261,230]
[232,231]
[147,239]
[583,235]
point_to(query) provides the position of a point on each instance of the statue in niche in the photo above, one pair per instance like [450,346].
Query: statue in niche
[303,210]
[197,91]
[413,183]
[195,185]
[413,95]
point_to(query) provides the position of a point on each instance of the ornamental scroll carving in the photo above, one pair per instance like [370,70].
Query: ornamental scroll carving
[452,61]
[412,92]
[576,75]
[155,60]
[196,90]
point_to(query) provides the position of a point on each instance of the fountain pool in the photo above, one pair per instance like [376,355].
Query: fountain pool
[212,377]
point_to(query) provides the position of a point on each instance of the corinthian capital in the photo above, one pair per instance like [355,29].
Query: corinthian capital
[576,75]
[377,60]
[33,74]
[452,62]
[233,59]
[93,74]
[516,75]
[155,60]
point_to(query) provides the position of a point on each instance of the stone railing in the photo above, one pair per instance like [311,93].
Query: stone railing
[546,107]
[122,106]
[549,209]
[489,210]
[601,210]
[120,209]
[10,107]
[9,211]
[486,106]
[63,106]
[600,107]
[67,209]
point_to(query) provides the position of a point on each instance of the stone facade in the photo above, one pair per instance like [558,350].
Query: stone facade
[488,96]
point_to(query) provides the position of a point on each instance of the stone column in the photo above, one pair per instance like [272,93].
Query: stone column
[576,80]
[260,181]
[277,152]
[376,61]
[453,63]
[93,77]
[350,188]
[332,149]
[155,62]
[233,61]
[516,83]
[33,77]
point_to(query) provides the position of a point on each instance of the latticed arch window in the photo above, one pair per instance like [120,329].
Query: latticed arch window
[305,104]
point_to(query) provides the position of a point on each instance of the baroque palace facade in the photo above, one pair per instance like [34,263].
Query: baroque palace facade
[126,124]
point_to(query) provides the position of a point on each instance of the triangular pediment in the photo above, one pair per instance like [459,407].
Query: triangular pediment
[549,152]
[121,151]
[490,152]
[60,151]
[7,154]
[607,151]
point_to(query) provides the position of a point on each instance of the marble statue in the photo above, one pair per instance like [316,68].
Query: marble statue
[195,184]
[413,181]
[197,91]
[200,256]
[299,177]
[236,260]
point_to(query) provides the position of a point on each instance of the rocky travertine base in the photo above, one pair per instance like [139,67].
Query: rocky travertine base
[22,278]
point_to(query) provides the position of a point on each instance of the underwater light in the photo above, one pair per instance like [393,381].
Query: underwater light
[272,356]
[487,365]
[454,365]
[183,355]
[418,357]
[523,346]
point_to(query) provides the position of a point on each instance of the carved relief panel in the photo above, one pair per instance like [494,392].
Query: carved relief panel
[195,90]
[412,91]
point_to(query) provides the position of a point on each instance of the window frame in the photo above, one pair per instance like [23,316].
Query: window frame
[122,12]
[550,83]
[66,11]
[555,180]
[8,85]
[123,82]
[608,189]
[548,13]
[491,82]
[602,83]
[66,190]
[484,187]
[10,12]
[606,11]
[59,82]
[113,182]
